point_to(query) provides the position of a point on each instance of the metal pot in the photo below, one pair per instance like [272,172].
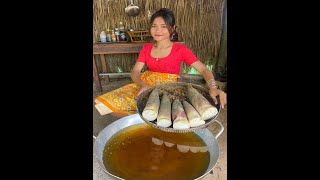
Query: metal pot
[110,130]
[132,10]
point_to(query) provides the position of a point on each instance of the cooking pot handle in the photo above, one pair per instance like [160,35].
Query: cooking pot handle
[221,130]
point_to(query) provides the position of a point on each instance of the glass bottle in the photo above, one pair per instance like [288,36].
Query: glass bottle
[123,36]
[113,36]
[117,33]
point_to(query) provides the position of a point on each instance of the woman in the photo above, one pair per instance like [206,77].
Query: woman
[163,60]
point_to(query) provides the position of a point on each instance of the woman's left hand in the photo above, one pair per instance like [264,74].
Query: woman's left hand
[222,96]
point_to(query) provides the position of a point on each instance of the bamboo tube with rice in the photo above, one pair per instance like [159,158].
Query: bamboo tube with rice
[179,117]
[201,104]
[164,116]
[150,111]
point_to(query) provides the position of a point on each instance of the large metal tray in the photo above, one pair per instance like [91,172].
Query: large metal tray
[175,91]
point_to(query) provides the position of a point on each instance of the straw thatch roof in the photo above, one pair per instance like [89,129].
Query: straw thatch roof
[199,25]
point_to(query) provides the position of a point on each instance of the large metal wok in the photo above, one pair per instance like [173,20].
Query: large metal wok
[110,130]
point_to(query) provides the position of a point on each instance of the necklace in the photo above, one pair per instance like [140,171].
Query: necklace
[156,45]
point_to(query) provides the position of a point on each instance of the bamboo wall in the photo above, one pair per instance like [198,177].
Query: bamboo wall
[199,25]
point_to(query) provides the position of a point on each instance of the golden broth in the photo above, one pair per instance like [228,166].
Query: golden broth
[142,152]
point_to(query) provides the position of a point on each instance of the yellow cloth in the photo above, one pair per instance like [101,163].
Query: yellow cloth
[122,100]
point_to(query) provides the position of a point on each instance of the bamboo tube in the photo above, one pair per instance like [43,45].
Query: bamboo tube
[201,104]
[164,116]
[193,115]
[150,112]
[179,117]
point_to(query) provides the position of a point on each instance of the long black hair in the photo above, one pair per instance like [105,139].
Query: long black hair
[167,16]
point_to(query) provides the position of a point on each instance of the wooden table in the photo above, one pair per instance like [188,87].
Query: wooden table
[112,48]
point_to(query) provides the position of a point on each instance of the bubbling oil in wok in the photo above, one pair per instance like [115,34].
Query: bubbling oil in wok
[142,152]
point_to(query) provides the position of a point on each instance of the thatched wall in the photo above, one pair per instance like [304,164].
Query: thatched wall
[199,25]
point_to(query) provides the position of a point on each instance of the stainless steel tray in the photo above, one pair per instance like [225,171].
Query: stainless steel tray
[175,91]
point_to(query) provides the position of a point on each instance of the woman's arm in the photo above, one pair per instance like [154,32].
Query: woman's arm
[135,76]
[209,78]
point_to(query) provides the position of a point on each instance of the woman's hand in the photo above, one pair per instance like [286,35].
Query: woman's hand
[208,76]
[143,87]
[222,95]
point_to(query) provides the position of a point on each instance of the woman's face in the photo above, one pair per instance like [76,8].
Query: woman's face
[159,30]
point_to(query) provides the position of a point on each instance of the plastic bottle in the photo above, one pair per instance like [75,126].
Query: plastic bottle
[103,37]
[113,36]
